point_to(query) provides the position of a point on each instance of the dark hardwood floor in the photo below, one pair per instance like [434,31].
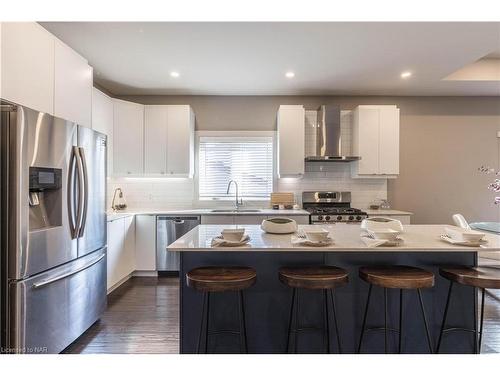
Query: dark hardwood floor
[143,317]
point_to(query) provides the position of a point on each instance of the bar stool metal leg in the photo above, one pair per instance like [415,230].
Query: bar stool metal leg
[332,296]
[243,329]
[400,320]
[475,321]
[327,321]
[385,320]
[482,319]
[290,321]
[364,318]
[429,342]
[444,316]
[202,320]
[207,319]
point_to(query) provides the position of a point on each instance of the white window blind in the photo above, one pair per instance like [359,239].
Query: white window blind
[247,160]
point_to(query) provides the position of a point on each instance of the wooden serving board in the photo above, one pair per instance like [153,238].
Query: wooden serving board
[282,198]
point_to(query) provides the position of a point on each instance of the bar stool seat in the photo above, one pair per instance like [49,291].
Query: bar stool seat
[476,277]
[221,279]
[397,277]
[320,277]
[212,279]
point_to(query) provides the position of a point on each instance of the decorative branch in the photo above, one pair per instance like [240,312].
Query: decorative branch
[495,185]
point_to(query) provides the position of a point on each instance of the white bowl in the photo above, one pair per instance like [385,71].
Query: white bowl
[279,225]
[316,235]
[464,235]
[233,235]
[384,233]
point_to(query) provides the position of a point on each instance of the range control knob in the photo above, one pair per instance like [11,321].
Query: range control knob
[320,217]
[327,218]
[358,218]
[351,218]
[339,218]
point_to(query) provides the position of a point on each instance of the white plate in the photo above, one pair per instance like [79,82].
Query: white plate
[220,241]
[448,239]
[302,241]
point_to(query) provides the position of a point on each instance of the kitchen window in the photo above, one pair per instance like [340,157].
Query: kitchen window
[247,160]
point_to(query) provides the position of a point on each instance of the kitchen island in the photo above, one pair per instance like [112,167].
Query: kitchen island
[267,303]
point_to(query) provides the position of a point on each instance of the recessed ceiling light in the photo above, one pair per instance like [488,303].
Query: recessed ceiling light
[174,74]
[289,74]
[406,75]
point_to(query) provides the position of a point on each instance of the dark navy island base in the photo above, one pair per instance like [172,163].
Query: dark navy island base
[267,304]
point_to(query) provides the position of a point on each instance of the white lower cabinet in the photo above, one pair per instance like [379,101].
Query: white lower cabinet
[217,219]
[249,219]
[145,242]
[121,246]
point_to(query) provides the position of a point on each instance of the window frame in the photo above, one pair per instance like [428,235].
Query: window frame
[229,134]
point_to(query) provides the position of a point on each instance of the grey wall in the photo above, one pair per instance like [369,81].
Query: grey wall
[443,140]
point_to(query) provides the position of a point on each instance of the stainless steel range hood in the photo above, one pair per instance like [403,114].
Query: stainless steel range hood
[329,138]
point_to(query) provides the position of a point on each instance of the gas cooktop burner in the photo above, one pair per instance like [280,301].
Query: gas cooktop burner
[334,207]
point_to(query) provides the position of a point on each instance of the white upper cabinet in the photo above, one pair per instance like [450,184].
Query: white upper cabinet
[102,120]
[291,141]
[72,86]
[180,140]
[155,139]
[375,137]
[28,65]
[128,138]
[169,140]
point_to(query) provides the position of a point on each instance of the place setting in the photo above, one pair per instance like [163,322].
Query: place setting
[380,231]
[463,237]
[314,237]
[231,238]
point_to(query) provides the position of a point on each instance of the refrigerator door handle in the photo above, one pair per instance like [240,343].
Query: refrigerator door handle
[67,274]
[85,191]
[79,168]
[71,173]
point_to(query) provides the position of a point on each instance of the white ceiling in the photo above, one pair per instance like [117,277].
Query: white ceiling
[252,58]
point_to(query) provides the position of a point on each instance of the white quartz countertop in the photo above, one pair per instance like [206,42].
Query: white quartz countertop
[346,239]
[206,211]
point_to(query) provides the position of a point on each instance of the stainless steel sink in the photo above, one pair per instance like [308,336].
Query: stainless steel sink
[236,211]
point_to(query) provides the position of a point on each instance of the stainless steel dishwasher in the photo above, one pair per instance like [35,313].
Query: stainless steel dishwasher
[169,229]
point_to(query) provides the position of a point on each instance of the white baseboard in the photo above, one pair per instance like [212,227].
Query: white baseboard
[145,273]
[120,282]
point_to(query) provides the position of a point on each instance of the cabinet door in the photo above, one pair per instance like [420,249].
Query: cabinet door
[128,259]
[180,140]
[128,126]
[145,242]
[367,137]
[72,86]
[217,219]
[28,65]
[389,140]
[115,248]
[291,140]
[102,120]
[155,139]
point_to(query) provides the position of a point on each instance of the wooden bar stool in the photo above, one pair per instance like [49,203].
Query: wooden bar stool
[395,277]
[476,277]
[221,279]
[325,278]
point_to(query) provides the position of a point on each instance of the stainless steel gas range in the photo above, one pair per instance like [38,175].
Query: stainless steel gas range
[331,207]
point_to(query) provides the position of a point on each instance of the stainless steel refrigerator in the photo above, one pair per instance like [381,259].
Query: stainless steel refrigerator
[53,230]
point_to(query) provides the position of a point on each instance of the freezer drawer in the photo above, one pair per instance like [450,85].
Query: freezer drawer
[169,229]
[49,311]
